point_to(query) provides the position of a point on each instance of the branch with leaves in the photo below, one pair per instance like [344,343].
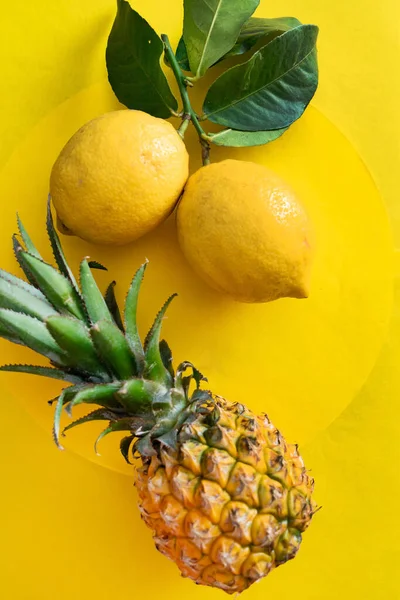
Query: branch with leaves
[254,101]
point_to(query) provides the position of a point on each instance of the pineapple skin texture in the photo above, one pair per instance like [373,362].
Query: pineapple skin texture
[231,502]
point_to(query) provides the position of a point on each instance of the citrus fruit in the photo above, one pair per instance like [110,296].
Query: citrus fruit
[118,177]
[244,231]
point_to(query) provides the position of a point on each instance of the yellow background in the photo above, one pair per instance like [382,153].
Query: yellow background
[70,528]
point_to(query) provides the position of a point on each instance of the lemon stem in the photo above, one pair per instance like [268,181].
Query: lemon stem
[183,126]
[189,114]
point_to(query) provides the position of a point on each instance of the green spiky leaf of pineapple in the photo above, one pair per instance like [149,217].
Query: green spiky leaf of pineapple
[226,497]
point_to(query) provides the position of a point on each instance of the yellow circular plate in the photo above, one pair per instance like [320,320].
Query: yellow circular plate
[302,361]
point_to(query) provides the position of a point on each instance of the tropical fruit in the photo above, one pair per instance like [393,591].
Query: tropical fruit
[119,177]
[226,496]
[243,230]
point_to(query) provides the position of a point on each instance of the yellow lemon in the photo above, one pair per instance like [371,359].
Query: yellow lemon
[244,231]
[118,177]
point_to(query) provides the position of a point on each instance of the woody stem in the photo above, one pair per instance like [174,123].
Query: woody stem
[189,114]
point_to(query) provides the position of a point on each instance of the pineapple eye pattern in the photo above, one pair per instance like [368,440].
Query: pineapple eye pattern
[226,497]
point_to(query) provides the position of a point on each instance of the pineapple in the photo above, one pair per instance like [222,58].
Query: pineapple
[226,497]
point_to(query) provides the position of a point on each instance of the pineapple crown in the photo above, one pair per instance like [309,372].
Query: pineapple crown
[90,346]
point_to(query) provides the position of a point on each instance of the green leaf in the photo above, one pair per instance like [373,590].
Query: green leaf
[63,398]
[184,382]
[125,446]
[99,414]
[155,369]
[272,89]
[137,395]
[113,347]
[18,248]
[16,298]
[32,333]
[211,28]
[144,447]
[131,303]
[257,29]
[166,357]
[95,304]
[29,245]
[57,420]
[94,264]
[101,394]
[58,252]
[7,335]
[112,305]
[253,31]
[120,425]
[43,372]
[133,62]
[56,287]
[169,439]
[181,55]
[238,139]
[73,337]
[201,396]
[27,287]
